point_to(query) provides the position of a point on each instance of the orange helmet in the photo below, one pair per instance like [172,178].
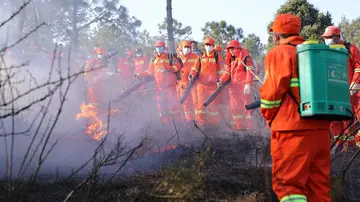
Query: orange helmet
[160,43]
[217,48]
[100,50]
[186,43]
[233,44]
[209,41]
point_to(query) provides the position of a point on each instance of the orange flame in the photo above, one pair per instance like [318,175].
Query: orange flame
[96,129]
[166,148]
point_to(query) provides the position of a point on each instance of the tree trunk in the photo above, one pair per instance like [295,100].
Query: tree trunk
[21,23]
[170,29]
[75,30]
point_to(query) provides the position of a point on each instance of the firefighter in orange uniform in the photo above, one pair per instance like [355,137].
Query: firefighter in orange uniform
[211,65]
[178,53]
[165,79]
[240,71]
[96,78]
[189,60]
[141,63]
[332,36]
[299,148]
[223,100]
[126,69]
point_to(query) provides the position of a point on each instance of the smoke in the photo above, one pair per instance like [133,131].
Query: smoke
[50,125]
[137,116]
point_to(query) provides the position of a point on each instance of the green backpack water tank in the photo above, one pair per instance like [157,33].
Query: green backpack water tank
[323,77]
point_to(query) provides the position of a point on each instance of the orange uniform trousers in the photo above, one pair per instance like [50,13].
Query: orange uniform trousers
[190,104]
[168,104]
[96,94]
[337,127]
[301,165]
[241,117]
[209,115]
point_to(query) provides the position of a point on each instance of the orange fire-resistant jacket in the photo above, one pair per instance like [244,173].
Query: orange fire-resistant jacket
[209,69]
[125,66]
[282,76]
[354,65]
[190,61]
[141,64]
[98,73]
[167,78]
[237,71]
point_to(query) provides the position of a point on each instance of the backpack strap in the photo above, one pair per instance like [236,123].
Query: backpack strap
[347,46]
[289,91]
[290,94]
[216,55]
[170,59]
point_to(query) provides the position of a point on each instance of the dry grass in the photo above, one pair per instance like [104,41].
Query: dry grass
[251,197]
[199,174]
[219,172]
[337,189]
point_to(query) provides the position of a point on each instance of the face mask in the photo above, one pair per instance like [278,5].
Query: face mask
[138,55]
[209,49]
[186,50]
[329,41]
[159,50]
[100,57]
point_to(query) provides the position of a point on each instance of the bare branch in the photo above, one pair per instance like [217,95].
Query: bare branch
[16,13]
[22,38]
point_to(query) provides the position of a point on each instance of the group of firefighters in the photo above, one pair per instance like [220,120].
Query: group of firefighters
[173,73]
[299,148]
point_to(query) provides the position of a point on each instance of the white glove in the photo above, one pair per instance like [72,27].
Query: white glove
[190,77]
[161,69]
[247,89]
[136,76]
[354,88]
[108,73]
[219,83]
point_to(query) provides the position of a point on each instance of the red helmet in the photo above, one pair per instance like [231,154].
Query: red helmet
[129,53]
[160,43]
[100,50]
[332,30]
[233,44]
[186,43]
[218,48]
[209,41]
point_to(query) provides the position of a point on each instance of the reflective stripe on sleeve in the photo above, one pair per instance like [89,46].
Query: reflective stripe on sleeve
[294,198]
[294,82]
[266,104]
[194,69]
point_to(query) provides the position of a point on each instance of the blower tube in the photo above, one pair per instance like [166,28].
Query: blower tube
[254,105]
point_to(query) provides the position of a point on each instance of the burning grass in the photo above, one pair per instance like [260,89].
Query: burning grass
[95,128]
[212,172]
[223,169]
